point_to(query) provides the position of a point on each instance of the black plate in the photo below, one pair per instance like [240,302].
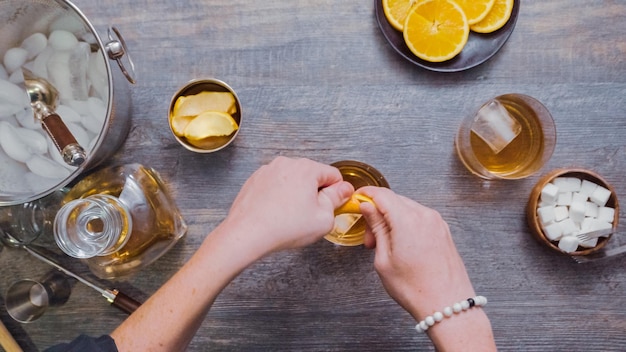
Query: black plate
[479,47]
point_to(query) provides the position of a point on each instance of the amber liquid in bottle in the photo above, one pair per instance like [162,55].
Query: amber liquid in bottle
[156,221]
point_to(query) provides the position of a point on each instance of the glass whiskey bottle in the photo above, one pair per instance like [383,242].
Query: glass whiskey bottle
[118,220]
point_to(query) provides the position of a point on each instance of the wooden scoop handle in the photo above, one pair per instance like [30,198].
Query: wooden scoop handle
[124,302]
[64,140]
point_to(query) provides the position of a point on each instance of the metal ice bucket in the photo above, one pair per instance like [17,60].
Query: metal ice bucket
[21,18]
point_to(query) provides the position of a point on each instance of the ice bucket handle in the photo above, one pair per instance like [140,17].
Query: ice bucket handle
[116,49]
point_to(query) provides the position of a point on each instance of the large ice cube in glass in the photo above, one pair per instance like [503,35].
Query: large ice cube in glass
[495,126]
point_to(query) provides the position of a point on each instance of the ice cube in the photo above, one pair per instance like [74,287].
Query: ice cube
[12,175]
[34,44]
[40,64]
[39,183]
[97,75]
[62,40]
[3,73]
[17,77]
[12,145]
[68,114]
[34,141]
[60,75]
[12,98]
[26,119]
[78,63]
[14,58]
[495,126]
[45,167]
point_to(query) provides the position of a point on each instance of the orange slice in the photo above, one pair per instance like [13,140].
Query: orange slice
[396,11]
[436,30]
[496,18]
[475,10]
[352,205]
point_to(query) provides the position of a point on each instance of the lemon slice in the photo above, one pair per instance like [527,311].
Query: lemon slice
[436,30]
[179,123]
[496,18]
[352,205]
[396,11]
[475,10]
[194,105]
[210,124]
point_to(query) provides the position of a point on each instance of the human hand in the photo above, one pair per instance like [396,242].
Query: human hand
[415,258]
[288,203]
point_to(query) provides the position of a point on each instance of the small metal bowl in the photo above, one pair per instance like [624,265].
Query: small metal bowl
[205,85]
[534,199]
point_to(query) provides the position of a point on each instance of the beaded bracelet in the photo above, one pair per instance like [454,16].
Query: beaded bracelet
[456,308]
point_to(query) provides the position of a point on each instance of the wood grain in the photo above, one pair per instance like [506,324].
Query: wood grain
[317,79]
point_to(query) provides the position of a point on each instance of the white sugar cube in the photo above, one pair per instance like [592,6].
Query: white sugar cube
[549,193]
[495,126]
[600,196]
[577,211]
[553,231]
[568,244]
[591,209]
[606,214]
[567,184]
[561,213]
[564,198]
[587,187]
[568,227]
[546,214]
[579,197]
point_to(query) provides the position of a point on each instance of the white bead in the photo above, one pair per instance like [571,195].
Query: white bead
[423,325]
[418,329]
[430,320]
[464,305]
[456,307]
[480,300]
[438,316]
[447,311]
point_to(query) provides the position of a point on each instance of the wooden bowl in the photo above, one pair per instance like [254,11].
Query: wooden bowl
[535,194]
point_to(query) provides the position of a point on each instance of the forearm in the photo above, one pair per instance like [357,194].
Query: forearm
[170,318]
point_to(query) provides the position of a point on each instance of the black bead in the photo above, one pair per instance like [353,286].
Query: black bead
[471,302]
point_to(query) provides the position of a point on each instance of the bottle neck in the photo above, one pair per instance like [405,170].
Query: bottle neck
[97,225]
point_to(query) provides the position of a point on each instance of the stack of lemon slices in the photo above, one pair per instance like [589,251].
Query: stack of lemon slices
[205,119]
[437,30]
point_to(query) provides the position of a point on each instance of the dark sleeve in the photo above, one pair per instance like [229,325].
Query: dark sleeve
[84,343]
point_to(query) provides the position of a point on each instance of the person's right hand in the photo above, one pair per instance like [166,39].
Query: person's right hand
[288,203]
[421,269]
[416,258]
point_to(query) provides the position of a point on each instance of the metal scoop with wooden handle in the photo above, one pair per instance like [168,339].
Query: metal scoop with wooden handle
[43,99]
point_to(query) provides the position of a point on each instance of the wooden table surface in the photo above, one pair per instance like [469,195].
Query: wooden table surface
[318,79]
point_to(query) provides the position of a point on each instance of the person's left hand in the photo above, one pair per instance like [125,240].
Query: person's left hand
[288,203]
